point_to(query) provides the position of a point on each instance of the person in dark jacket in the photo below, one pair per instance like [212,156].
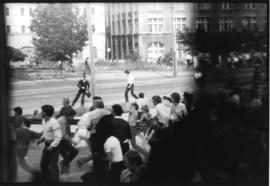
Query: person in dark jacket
[83,86]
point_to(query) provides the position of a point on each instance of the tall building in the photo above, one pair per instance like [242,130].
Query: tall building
[145,28]
[228,16]
[18,21]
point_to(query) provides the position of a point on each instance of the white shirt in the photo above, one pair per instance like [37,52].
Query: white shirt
[179,111]
[52,131]
[162,113]
[131,79]
[112,145]
[188,57]
[140,102]
[92,118]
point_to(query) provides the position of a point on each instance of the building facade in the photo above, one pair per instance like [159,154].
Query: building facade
[145,28]
[229,16]
[18,21]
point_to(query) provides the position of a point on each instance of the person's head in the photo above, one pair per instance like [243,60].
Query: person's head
[97,98]
[141,95]
[66,102]
[117,110]
[175,97]
[26,122]
[145,109]
[47,111]
[167,99]
[70,113]
[156,99]
[188,98]
[132,158]
[126,72]
[98,104]
[87,59]
[134,107]
[18,111]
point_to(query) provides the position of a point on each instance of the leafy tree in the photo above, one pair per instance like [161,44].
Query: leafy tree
[60,31]
[14,54]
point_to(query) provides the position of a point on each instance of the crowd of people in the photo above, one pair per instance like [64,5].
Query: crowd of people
[191,138]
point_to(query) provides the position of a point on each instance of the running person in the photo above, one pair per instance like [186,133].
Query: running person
[130,86]
[83,86]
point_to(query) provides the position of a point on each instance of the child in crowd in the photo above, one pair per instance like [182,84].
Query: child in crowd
[133,114]
[134,163]
[24,137]
[145,116]
[141,101]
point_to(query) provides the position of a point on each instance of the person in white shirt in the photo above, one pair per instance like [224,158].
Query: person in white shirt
[179,110]
[52,136]
[130,86]
[161,112]
[141,101]
[88,127]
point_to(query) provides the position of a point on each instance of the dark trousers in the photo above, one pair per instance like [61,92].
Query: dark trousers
[80,92]
[131,89]
[49,164]
[67,151]
[115,172]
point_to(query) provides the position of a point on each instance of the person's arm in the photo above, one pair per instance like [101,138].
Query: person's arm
[57,135]
[133,142]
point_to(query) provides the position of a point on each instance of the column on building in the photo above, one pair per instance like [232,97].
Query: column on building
[133,26]
[127,28]
[111,31]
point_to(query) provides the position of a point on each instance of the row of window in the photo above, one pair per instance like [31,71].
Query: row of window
[226,6]
[22,11]
[8,29]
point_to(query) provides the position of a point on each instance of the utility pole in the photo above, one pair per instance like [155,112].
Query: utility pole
[173,42]
[92,65]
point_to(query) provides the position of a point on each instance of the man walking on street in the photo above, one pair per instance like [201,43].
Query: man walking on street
[130,86]
[51,136]
[67,151]
[83,86]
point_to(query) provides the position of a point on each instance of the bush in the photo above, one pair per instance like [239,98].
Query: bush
[133,57]
[167,60]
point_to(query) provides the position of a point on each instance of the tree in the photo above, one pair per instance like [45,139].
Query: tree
[14,54]
[60,31]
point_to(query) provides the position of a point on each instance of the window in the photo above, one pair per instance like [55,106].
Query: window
[23,29]
[180,24]
[202,6]
[249,6]
[248,21]
[155,25]
[119,27]
[22,11]
[30,12]
[226,6]
[124,27]
[202,23]
[8,29]
[7,11]
[84,12]
[225,24]
[136,26]
[155,50]
[130,26]
[93,10]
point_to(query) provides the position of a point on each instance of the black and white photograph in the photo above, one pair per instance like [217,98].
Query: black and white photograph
[109,93]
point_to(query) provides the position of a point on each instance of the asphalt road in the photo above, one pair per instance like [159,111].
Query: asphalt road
[110,86]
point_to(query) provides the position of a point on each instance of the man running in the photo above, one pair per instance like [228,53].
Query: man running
[130,86]
[83,86]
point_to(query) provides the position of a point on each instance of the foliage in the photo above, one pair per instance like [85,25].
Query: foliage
[14,54]
[134,57]
[216,43]
[60,31]
[167,59]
